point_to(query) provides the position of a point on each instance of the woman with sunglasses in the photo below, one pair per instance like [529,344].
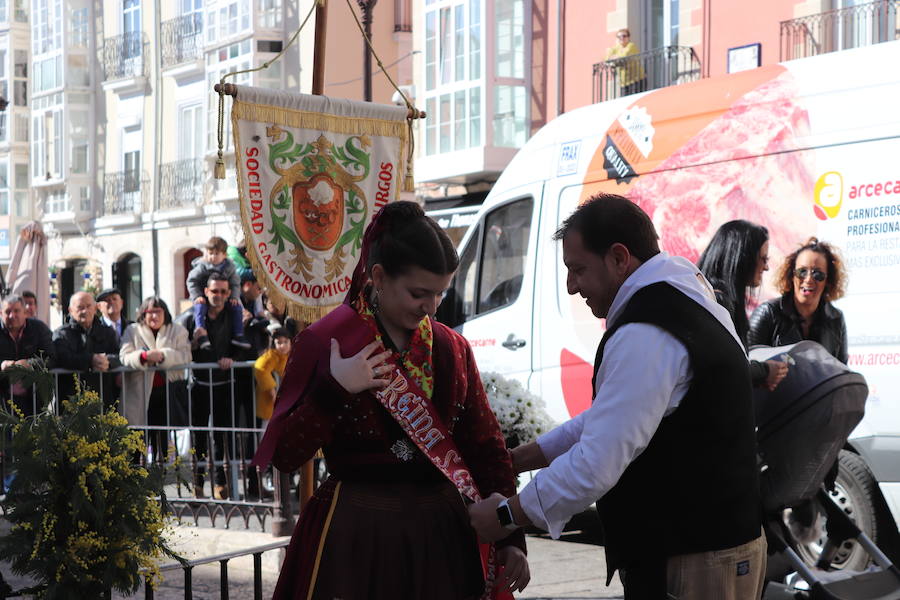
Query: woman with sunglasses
[395,401]
[810,279]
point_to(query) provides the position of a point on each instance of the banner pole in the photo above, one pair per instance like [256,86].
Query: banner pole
[318,88]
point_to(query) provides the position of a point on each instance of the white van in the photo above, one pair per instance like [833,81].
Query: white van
[808,147]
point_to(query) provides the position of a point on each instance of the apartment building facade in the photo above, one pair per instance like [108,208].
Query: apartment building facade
[491,72]
[122,147]
[15,53]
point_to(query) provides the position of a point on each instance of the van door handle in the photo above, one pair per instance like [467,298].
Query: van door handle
[514,343]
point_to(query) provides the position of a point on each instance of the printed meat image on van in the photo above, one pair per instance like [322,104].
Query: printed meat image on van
[743,159]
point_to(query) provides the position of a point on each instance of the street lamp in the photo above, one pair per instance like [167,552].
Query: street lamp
[367,6]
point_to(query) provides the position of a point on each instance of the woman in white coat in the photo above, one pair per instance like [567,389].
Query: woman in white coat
[154,340]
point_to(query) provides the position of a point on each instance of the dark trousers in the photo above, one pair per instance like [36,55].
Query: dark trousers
[213,404]
[645,580]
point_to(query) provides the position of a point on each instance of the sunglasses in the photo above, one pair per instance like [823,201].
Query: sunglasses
[803,273]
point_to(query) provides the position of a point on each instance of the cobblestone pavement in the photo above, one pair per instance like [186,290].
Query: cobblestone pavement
[571,568]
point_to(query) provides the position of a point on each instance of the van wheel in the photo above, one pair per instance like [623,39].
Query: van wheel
[855,492]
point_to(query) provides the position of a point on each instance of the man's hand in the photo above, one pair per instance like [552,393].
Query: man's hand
[777,371]
[363,371]
[7,364]
[483,518]
[199,332]
[99,362]
[527,457]
[154,357]
[225,363]
[516,573]
[200,300]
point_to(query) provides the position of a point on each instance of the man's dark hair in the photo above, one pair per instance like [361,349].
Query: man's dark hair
[29,294]
[216,276]
[607,219]
[410,238]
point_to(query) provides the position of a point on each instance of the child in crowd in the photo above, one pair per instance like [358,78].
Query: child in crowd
[214,259]
[272,362]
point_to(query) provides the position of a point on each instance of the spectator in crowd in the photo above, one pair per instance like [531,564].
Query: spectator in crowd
[255,322]
[89,346]
[277,316]
[110,303]
[734,263]
[632,78]
[31,304]
[212,392]
[24,342]
[215,261]
[267,368]
[809,279]
[157,398]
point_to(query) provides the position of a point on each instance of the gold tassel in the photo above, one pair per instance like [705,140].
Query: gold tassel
[219,171]
[409,183]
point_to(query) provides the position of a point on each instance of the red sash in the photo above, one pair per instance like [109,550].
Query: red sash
[414,412]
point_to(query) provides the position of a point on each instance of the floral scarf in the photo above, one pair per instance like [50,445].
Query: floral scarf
[417,358]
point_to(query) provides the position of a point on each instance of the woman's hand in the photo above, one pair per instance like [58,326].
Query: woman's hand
[777,371]
[516,574]
[154,357]
[362,371]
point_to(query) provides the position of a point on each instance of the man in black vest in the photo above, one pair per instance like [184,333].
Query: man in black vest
[668,445]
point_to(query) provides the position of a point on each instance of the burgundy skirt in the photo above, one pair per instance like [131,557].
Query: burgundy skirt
[383,541]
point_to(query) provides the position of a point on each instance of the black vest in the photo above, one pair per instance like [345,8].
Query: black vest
[695,488]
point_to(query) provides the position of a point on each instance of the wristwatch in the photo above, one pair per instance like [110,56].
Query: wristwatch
[505,516]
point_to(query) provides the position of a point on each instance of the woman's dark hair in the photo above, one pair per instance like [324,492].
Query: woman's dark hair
[835,282]
[411,239]
[607,219]
[153,302]
[729,263]
[281,332]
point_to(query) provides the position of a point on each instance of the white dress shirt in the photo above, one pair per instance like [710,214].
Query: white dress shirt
[643,377]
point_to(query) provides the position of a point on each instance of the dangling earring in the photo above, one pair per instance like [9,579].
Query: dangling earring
[375,301]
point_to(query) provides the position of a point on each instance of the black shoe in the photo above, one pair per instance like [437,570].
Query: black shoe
[241,342]
[204,342]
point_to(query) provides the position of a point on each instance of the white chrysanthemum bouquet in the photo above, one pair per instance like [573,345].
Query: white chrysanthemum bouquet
[522,415]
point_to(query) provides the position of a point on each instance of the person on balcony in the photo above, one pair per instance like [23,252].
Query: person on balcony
[89,346]
[158,397]
[631,75]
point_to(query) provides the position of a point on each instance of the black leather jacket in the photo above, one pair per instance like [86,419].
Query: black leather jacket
[777,323]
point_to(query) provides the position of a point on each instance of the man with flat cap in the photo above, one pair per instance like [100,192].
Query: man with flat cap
[110,303]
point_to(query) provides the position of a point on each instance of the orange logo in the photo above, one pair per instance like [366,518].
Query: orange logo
[318,211]
[828,195]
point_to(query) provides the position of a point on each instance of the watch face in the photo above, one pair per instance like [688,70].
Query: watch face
[504,514]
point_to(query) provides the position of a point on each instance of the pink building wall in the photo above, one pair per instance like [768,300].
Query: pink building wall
[344,53]
[589,28]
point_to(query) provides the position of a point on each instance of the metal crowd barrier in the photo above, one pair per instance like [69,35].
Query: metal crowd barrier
[207,456]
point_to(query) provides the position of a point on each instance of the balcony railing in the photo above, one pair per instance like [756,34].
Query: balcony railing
[669,65]
[181,184]
[125,56]
[840,29]
[181,39]
[402,15]
[126,193]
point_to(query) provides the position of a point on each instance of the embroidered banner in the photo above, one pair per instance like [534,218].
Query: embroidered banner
[312,171]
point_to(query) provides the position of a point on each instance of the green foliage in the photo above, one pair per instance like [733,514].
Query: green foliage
[84,518]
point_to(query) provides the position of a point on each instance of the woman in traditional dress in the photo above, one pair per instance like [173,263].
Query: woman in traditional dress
[395,401]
